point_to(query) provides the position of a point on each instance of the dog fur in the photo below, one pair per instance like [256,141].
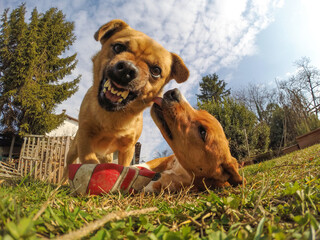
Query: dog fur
[129,71]
[202,157]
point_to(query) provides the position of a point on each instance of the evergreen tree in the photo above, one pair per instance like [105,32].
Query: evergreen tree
[33,63]
[212,88]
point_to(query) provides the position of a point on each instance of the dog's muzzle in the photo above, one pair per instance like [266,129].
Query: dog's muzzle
[115,91]
[173,95]
[123,72]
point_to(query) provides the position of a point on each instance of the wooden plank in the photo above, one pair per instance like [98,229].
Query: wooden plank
[61,157]
[31,135]
[22,153]
[26,161]
[8,170]
[55,149]
[58,147]
[4,175]
[36,161]
[32,163]
[42,149]
[46,159]
[66,150]
[6,167]
[22,166]
[50,170]
[30,158]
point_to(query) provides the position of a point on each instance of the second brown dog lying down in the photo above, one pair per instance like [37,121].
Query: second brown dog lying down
[201,150]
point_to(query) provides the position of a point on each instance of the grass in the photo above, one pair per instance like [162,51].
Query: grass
[280,201]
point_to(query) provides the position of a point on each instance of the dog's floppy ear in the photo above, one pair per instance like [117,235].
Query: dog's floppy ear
[108,29]
[179,71]
[232,167]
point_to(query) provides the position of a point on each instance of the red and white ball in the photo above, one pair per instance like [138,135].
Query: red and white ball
[98,179]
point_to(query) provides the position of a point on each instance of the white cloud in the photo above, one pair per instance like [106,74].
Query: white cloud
[208,35]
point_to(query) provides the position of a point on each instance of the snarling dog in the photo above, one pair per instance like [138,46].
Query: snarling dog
[202,157]
[129,71]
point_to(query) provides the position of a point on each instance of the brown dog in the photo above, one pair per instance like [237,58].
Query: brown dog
[201,150]
[129,71]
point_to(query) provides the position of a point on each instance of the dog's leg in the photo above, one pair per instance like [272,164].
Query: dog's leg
[85,152]
[160,164]
[170,181]
[125,157]
[108,158]
[72,153]
[86,156]
[173,176]
[71,157]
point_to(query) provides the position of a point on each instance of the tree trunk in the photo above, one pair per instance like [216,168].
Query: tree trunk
[313,95]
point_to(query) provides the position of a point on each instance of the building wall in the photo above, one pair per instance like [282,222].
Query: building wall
[68,128]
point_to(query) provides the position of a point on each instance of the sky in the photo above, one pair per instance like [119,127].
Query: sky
[243,41]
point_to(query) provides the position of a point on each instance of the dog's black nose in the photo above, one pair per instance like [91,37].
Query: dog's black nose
[125,72]
[173,95]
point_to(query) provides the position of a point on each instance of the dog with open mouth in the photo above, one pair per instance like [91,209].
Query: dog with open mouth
[129,71]
[202,157]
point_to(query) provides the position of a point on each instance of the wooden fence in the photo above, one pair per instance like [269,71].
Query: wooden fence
[44,157]
[8,170]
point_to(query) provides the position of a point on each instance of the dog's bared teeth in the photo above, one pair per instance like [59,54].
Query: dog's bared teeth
[125,94]
[108,87]
[107,83]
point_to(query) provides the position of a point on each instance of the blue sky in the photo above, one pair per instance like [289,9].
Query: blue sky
[291,35]
[244,41]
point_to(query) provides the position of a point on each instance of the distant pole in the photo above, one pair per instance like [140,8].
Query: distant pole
[12,146]
[247,143]
[137,153]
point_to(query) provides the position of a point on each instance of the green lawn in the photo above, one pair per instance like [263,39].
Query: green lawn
[280,201]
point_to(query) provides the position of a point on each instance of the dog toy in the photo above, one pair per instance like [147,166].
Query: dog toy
[98,179]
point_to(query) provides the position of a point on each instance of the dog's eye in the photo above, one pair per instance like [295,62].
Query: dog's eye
[118,48]
[202,132]
[155,71]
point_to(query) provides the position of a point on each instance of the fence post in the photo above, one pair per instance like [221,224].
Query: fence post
[21,154]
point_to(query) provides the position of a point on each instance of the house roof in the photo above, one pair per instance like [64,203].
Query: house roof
[72,118]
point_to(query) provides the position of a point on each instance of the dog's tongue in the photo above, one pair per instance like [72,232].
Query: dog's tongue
[112,97]
[157,100]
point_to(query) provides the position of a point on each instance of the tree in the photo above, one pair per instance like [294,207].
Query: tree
[308,79]
[285,109]
[163,153]
[212,88]
[297,120]
[246,135]
[33,63]
[277,124]
[257,99]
